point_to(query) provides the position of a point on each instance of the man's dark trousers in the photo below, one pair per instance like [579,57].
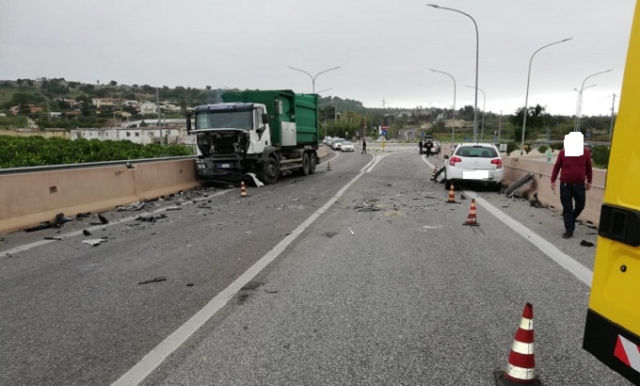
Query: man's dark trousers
[568,193]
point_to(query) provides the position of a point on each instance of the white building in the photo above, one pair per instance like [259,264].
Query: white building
[139,135]
[148,108]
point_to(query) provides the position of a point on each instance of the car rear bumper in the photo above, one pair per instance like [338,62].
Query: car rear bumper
[492,176]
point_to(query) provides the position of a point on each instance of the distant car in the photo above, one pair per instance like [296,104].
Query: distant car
[478,163]
[337,143]
[347,146]
[435,149]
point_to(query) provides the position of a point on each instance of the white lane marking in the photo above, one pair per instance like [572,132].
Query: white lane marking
[36,244]
[332,158]
[158,354]
[567,262]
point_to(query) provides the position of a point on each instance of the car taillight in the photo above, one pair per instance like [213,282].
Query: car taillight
[453,160]
[497,162]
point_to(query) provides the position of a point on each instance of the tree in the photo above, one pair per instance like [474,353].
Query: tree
[535,121]
[113,83]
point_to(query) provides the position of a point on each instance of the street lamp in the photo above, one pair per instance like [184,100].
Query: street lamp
[313,78]
[524,112]
[475,115]
[321,91]
[453,126]
[577,125]
[484,108]
[579,103]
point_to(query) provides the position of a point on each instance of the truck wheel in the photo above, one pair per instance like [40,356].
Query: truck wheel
[270,171]
[306,164]
[314,163]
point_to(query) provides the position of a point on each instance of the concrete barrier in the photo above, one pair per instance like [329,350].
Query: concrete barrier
[516,168]
[31,198]
[322,151]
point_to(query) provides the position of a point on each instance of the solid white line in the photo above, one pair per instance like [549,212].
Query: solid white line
[565,261]
[158,354]
[336,156]
[36,244]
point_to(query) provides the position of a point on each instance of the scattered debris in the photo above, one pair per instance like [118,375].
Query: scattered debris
[271,291]
[94,242]
[80,216]
[586,243]
[103,219]
[330,234]
[189,284]
[462,196]
[154,280]
[43,225]
[60,219]
[505,206]
[351,231]
[133,207]
[86,233]
[535,202]
[53,238]
[366,207]
[252,286]
[174,208]
[151,217]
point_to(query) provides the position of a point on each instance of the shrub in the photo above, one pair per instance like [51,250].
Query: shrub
[600,156]
[543,149]
[511,146]
[557,146]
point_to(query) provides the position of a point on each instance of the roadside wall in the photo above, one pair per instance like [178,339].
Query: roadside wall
[31,198]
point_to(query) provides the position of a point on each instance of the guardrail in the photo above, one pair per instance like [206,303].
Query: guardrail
[47,168]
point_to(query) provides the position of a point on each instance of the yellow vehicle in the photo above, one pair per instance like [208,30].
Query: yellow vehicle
[612,331]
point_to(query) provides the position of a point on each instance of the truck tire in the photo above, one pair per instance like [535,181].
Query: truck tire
[270,171]
[306,164]
[314,163]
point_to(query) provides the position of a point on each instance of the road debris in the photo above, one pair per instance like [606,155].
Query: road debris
[351,231]
[103,219]
[271,291]
[154,280]
[366,207]
[86,233]
[41,226]
[133,207]
[53,238]
[94,242]
[60,219]
[81,216]
[189,284]
[586,243]
[151,217]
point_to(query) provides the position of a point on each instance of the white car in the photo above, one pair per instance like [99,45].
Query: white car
[478,163]
[347,146]
[337,143]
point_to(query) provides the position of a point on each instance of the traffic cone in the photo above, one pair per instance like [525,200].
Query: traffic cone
[471,218]
[521,365]
[328,166]
[243,190]
[433,175]
[452,195]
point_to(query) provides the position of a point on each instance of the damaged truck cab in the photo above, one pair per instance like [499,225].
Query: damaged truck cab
[267,133]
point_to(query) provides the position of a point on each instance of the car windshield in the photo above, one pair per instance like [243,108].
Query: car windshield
[347,143]
[236,120]
[476,151]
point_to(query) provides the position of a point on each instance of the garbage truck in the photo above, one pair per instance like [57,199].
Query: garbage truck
[264,134]
[612,327]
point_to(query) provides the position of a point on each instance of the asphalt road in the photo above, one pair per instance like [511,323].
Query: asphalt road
[378,283]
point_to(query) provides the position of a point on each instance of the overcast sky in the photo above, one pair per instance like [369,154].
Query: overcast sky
[384,48]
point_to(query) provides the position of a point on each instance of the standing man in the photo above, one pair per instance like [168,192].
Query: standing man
[364,146]
[575,170]
[420,146]
[429,146]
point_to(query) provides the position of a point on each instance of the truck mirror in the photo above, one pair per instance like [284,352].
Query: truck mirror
[265,118]
[188,123]
[261,128]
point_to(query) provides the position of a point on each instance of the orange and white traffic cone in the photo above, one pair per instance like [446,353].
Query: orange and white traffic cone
[243,190]
[328,166]
[433,175]
[452,195]
[471,218]
[521,368]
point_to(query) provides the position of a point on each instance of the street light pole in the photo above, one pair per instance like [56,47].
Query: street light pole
[475,115]
[579,105]
[577,126]
[526,103]
[313,78]
[484,108]
[453,126]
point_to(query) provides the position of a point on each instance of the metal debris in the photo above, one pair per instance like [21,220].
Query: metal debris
[53,238]
[351,231]
[103,219]
[133,207]
[154,280]
[151,217]
[86,233]
[586,243]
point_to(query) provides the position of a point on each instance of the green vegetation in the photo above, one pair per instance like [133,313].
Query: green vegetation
[37,151]
[600,156]
[543,149]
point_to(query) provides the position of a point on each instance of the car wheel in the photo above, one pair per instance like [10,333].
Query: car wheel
[306,164]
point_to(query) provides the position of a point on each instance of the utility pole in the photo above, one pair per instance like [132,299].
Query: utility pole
[499,125]
[335,110]
[613,104]
[158,111]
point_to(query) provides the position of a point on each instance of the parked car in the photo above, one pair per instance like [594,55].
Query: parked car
[347,146]
[435,149]
[477,163]
[337,143]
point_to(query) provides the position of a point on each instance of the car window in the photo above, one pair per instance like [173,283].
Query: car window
[479,151]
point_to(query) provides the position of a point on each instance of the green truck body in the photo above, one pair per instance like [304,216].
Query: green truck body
[267,133]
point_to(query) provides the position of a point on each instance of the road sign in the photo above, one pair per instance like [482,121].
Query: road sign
[503,147]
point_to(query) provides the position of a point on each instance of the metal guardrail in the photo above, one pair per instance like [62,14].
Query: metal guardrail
[48,168]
